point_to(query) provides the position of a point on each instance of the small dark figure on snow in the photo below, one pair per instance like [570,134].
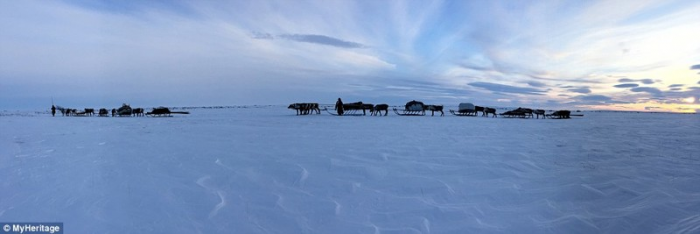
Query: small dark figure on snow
[53,110]
[114,112]
[339,106]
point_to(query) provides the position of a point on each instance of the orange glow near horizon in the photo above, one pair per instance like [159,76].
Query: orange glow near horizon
[650,107]
[689,100]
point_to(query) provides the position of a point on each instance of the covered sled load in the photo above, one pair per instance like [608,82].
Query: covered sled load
[412,108]
[125,110]
[465,109]
[465,106]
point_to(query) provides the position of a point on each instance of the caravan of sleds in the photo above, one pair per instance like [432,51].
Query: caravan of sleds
[124,111]
[352,109]
[417,108]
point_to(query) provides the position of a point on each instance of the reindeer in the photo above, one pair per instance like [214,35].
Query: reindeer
[138,112]
[89,111]
[376,110]
[539,112]
[479,108]
[102,112]
[488,111]
[305,108]
[433,109]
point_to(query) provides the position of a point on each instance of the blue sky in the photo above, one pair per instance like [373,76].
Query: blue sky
[624,55]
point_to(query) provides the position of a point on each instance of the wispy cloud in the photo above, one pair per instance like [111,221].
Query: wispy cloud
[262,35]
[536,84]
[626,85]
[543,53]
[643,81]
[580,90]
[650,90]
[322,40]
[507,88]
[595,98]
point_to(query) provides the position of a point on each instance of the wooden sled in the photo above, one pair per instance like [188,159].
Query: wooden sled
[410,112]
[164,112]
[347,113]
[471,113]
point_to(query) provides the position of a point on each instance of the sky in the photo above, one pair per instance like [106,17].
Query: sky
[602,55]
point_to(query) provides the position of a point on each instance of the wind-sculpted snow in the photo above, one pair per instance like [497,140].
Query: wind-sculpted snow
[265,170]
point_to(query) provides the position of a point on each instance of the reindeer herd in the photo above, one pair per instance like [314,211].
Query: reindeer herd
[124,111]
[417,108]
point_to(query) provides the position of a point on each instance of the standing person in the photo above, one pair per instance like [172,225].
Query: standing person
[53,110]
[339,106]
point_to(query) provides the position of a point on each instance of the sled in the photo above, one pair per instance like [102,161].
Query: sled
[346,113]
[410,112]
[562,114]
[465,109]
[164,112]
[464,113]
[412,108]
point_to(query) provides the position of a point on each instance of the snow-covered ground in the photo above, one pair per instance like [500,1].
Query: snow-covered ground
[265,170]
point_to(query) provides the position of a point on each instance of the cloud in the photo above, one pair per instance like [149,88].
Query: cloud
[536,84]
[253,51]
[626,80]
[506,88]
[322,40]
[675,85]
[643,81]
[261,35]
[595,98]
[650,90]
[580,90]
[626,85]
[647,81]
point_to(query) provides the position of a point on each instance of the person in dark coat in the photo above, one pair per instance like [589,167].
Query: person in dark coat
[114,111]
[339,106]
[53,110]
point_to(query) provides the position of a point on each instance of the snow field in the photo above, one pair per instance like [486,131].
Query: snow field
[267,171]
